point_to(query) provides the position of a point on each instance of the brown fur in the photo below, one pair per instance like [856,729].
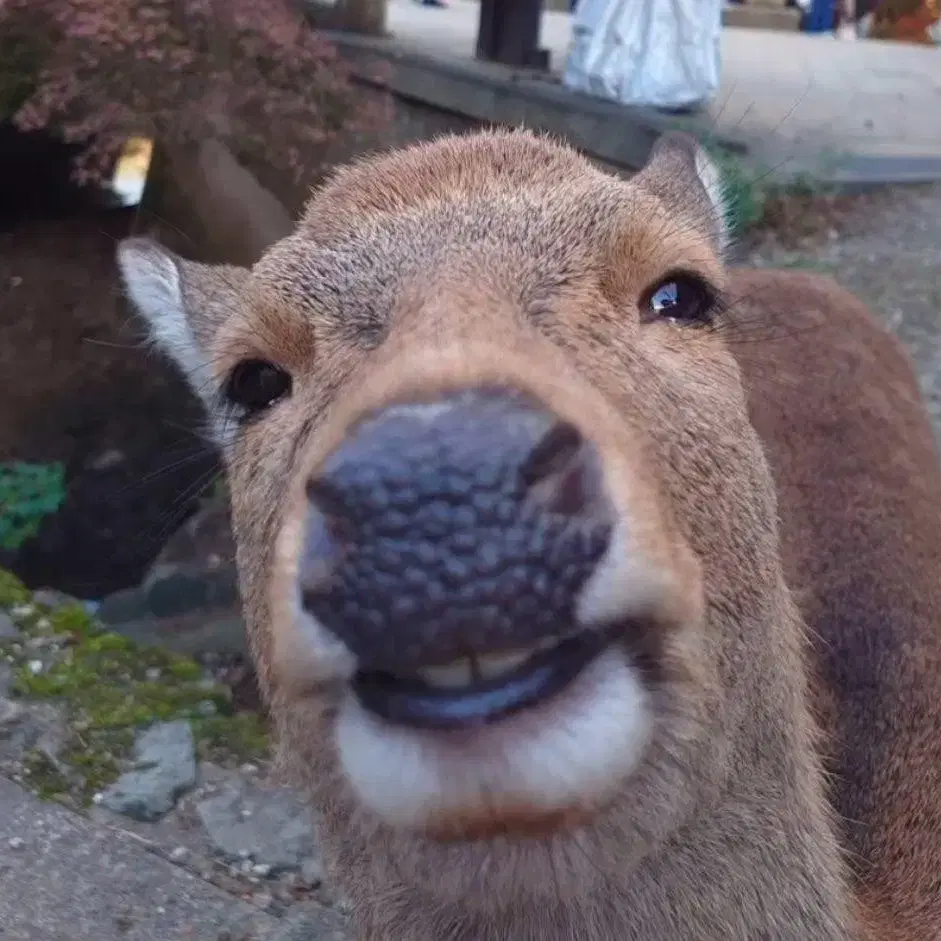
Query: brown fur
[836,401]
[507,258]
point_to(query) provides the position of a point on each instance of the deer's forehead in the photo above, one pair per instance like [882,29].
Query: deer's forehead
[464,259]
[512,247]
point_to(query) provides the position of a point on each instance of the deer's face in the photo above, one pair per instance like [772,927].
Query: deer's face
[500,513]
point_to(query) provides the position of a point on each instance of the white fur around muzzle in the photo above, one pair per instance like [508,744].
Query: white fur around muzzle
[572,752]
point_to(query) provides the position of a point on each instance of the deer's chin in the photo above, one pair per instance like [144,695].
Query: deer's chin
[530,773]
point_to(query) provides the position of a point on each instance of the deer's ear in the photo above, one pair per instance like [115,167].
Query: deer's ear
[183,304]
[685,178]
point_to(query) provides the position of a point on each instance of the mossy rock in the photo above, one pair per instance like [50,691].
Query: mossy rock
[110,688]
[12,591]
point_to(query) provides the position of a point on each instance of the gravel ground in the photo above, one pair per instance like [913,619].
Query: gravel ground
[886,248]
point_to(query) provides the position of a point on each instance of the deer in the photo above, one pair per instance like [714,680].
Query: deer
[592,581]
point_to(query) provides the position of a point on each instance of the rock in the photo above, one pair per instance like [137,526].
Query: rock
[189,602]
[183,591]
[270,826]
[50,744]
[75,880]
[312,871]
[8,628]
[203,543]
[123,606]
[202,632]
[53,598]
[11,715]
[6,679]
[186,611]
[166,758]
[25,727]
[313,922]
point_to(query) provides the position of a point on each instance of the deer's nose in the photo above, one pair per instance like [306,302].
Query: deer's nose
[462,527]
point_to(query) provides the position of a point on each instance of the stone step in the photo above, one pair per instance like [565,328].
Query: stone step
[762,16]
[562,6]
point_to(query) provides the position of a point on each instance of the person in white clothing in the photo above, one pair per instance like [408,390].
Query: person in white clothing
[658,53]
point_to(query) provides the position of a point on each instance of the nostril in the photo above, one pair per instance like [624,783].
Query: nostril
[563,473]
[330,514]
[322,551]
[329,532]
[327,500]
[553,452]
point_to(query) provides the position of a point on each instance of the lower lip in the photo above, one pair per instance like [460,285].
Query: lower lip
[412,703]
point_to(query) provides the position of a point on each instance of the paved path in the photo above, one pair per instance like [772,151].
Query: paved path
[64,878]
[793,97]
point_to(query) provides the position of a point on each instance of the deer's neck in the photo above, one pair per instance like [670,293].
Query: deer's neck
[760,860]
[752,869]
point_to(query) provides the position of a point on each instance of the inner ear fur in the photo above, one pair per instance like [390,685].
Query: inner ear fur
[184,303]
[684,177]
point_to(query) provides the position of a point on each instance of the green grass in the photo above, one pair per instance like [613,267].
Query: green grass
[753,193]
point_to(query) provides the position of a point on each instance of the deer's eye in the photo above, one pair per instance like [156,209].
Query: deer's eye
[256,384]
[681,298]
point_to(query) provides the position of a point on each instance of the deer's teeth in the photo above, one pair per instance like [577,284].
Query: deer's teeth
[470,670]
[453,675]
[493,666]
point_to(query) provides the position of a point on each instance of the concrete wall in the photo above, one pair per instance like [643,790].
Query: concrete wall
[217,205]
[206,203]
[411,121]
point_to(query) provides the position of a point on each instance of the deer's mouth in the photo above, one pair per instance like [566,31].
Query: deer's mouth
[505,747]
[478,689]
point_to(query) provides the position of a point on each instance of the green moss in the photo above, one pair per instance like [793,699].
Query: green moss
[185,670]
[110,688]
[12,590]
[243,736]
[746,190]
[73,619]
[98,759]
[43,776]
